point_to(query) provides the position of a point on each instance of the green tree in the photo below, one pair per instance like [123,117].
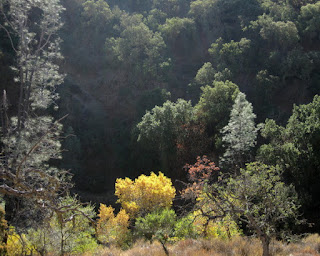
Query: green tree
[173,8]
[309,20]
[295,148]
[232,55]
[97,13]
[205,75]
[138,50]
[240,134]
[157,225]
[215,104]
[161,126]
[223,18]
[257,197]
[155,18]
[179,33]
[280,35]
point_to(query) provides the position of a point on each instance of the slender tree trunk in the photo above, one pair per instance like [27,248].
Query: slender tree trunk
[62,240]
[164,248]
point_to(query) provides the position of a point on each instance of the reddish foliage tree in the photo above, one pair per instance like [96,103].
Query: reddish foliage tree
[198,174]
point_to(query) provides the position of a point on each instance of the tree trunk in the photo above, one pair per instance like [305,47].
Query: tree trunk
[164,248]
[265,244]
[62,239]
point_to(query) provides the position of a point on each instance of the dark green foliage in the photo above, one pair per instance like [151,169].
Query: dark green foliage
[137,50]
[154,97]
[215,105]
[161,127]
[72,153]
[179,34]
[278,34]
[310,21]
[232,55]
[126,53]
[295,148]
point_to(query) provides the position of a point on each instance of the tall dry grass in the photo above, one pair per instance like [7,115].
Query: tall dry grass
[238,246]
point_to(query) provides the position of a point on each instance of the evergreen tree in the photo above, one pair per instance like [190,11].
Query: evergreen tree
[240,134]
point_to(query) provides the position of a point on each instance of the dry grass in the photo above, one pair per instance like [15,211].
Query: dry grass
[239,246]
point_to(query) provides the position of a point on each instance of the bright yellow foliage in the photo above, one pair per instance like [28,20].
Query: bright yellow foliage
[144,194]
[18,244]
[3,231]
[111,228]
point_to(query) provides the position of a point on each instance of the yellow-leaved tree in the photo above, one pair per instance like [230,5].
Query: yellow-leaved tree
[3,232]
[112,228]
[145,194]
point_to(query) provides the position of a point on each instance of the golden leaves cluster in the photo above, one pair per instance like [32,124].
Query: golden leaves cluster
[145,194]
[112,228]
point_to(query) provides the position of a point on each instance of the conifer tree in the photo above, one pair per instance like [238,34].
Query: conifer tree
[240,134]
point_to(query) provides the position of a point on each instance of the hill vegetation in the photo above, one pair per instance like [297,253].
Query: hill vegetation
[192,123]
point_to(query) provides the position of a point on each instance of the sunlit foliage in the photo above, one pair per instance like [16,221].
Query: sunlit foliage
[112,228]
[240,134]
[145,193]
[67,232]
[225,228]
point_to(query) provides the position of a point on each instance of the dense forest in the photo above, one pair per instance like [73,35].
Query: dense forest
[209,107]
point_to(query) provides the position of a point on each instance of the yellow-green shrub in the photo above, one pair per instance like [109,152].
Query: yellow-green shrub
[224,228]
[18,244]
[112,228]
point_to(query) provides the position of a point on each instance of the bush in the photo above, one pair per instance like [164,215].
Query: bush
[158,225]
[185,228]
[112,228]
[145,194]
[68,232]
[224,228]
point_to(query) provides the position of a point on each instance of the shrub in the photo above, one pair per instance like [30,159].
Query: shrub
[112,228]
[224,228]
[66,233]
[145,194]
[158,225]
[185,228]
